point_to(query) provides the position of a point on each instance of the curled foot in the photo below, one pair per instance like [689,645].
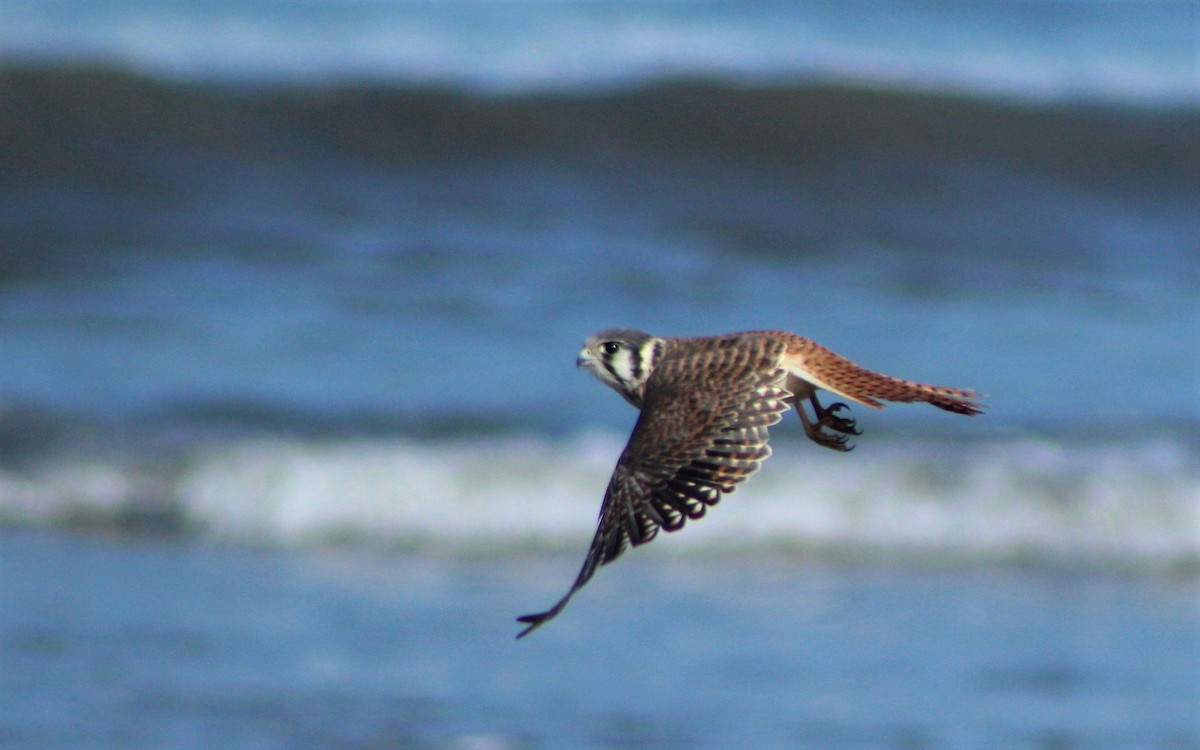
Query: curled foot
[827,417]
[840,428]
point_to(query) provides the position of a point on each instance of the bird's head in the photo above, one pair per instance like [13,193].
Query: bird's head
[622,358]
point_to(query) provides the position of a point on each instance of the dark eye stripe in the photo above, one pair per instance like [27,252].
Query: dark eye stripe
[635,362]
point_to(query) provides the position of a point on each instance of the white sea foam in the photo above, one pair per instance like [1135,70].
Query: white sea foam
[1135,504]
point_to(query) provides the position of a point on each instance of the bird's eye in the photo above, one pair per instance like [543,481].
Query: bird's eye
[610,347]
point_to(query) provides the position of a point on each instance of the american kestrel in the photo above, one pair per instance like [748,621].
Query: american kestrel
[706,405]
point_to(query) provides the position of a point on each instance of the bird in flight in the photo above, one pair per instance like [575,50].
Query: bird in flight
[706,405]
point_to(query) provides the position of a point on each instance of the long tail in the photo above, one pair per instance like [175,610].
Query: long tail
[825,369]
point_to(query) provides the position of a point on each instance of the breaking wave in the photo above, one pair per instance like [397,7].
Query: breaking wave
[1022,500]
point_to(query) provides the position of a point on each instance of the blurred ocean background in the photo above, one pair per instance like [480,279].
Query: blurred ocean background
[290,431]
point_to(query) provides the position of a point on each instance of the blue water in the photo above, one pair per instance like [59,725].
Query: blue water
[156,645]
[937,193]
[1143,51]
[290,432]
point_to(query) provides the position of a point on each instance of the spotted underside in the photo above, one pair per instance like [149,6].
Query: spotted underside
[703,429]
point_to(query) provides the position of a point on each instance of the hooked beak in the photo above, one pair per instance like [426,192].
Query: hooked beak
[584,358]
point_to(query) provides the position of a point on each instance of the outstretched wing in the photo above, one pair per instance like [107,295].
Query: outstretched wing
[702,430]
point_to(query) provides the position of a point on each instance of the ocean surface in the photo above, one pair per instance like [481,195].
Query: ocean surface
[290,431]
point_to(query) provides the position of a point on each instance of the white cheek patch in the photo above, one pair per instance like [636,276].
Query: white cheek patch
[623,365]
[649,355]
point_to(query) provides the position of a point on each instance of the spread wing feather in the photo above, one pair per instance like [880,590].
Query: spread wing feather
[701,432]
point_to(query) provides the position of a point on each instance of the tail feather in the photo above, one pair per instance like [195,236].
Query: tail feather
[825,369]
[958,401]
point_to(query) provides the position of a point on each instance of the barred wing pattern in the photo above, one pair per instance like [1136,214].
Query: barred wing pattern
[702,430]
